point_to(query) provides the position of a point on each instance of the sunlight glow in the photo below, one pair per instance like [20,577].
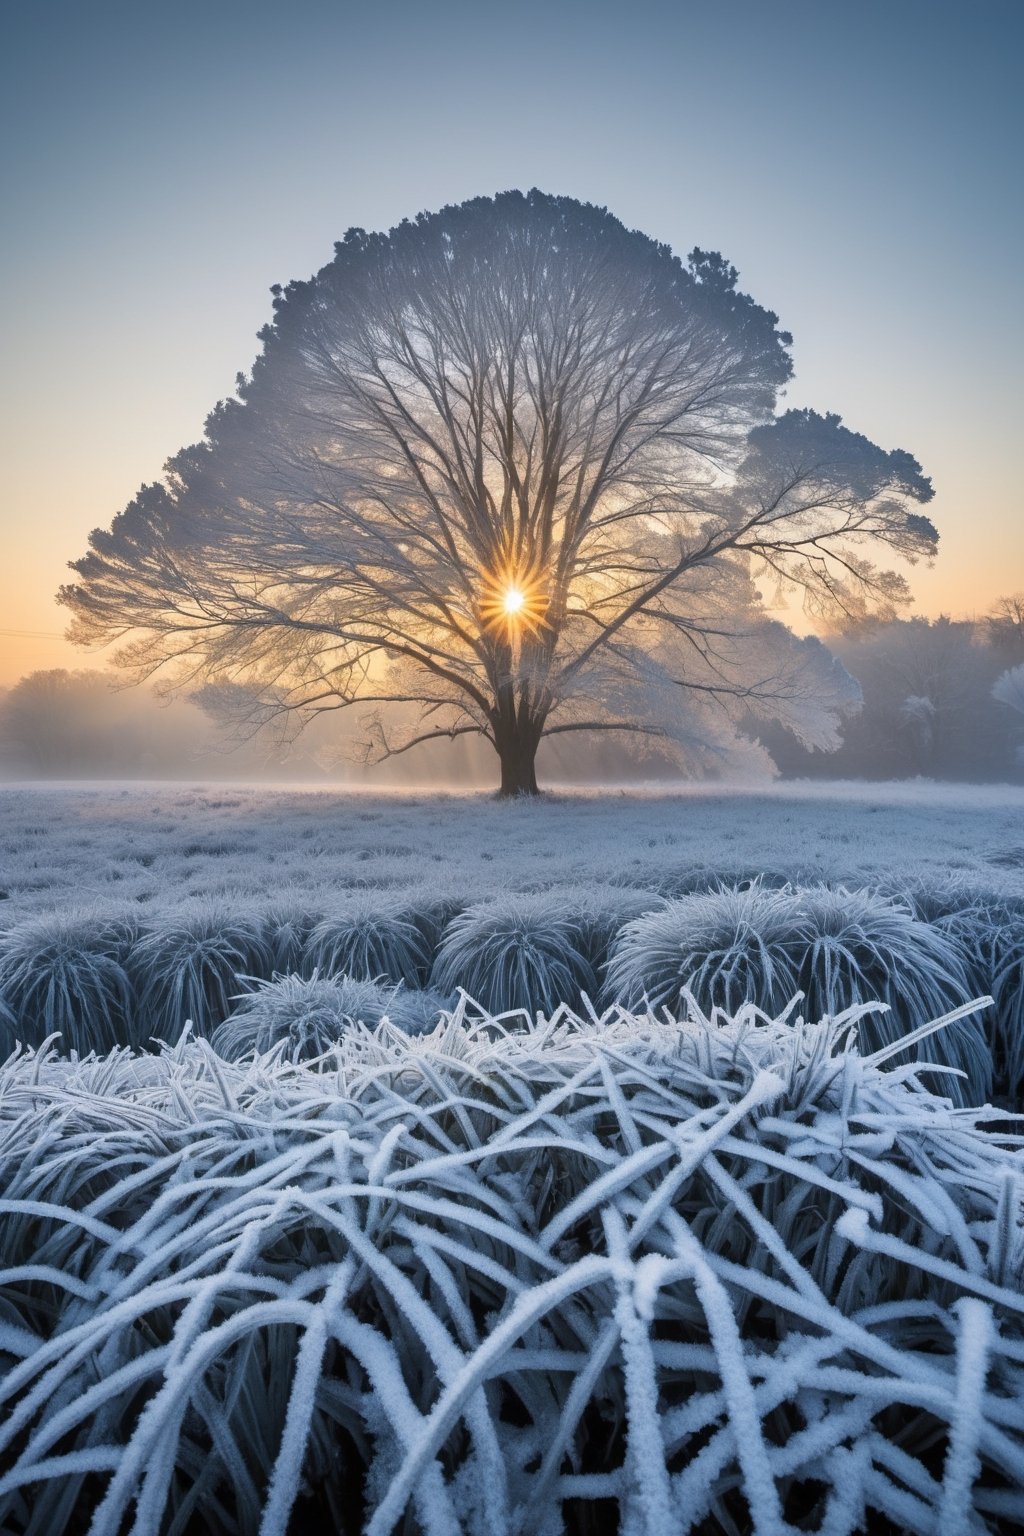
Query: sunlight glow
[513,600]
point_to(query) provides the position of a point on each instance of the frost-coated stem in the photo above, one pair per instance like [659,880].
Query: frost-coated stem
[962,1459]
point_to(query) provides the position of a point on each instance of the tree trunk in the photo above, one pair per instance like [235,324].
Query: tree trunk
[518,772]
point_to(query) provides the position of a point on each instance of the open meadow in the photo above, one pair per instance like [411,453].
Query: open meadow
[160,846]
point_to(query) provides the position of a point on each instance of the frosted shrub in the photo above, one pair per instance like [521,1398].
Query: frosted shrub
[304,1017]
[729,945]
[287,927]
[721,1274]
[371,936]
[516,952]
[859,946]
[991,935]
[63,972]
[934,897]
[837,947]
[600,910]
[188,965]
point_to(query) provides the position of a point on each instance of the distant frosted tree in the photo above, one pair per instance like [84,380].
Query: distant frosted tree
[1004,626]
[928,706]
[917,713]
[519,469]
[57,722]
[61,724]
[1009,689]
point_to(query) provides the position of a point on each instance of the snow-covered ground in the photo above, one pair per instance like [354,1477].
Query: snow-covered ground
[75,844]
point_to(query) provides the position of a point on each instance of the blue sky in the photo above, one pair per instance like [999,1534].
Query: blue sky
[165,165]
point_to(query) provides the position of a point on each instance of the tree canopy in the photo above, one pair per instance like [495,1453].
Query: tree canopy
[513,470]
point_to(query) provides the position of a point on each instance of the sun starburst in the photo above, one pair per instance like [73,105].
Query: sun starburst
[513,599]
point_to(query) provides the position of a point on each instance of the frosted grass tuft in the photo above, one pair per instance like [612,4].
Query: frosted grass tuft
[838,947]
[859,946]
[303,1018]
[287,926]
[730,945]
[63,973]
[991,934]
[525,952]
[187,966]
[376,935]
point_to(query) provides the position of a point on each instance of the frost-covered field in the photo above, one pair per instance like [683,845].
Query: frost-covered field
[164,844]
[582,1229]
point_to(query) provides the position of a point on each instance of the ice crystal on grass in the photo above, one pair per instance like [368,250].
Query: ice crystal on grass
[721,1274]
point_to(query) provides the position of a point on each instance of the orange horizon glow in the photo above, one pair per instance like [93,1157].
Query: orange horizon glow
[32,640]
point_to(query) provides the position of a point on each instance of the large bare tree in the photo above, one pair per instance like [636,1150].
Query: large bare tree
[513,470]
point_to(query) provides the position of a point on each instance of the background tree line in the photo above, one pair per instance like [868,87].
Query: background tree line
[928,710]
[929,707]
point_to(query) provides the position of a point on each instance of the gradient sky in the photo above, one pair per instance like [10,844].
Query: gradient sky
[165,164]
